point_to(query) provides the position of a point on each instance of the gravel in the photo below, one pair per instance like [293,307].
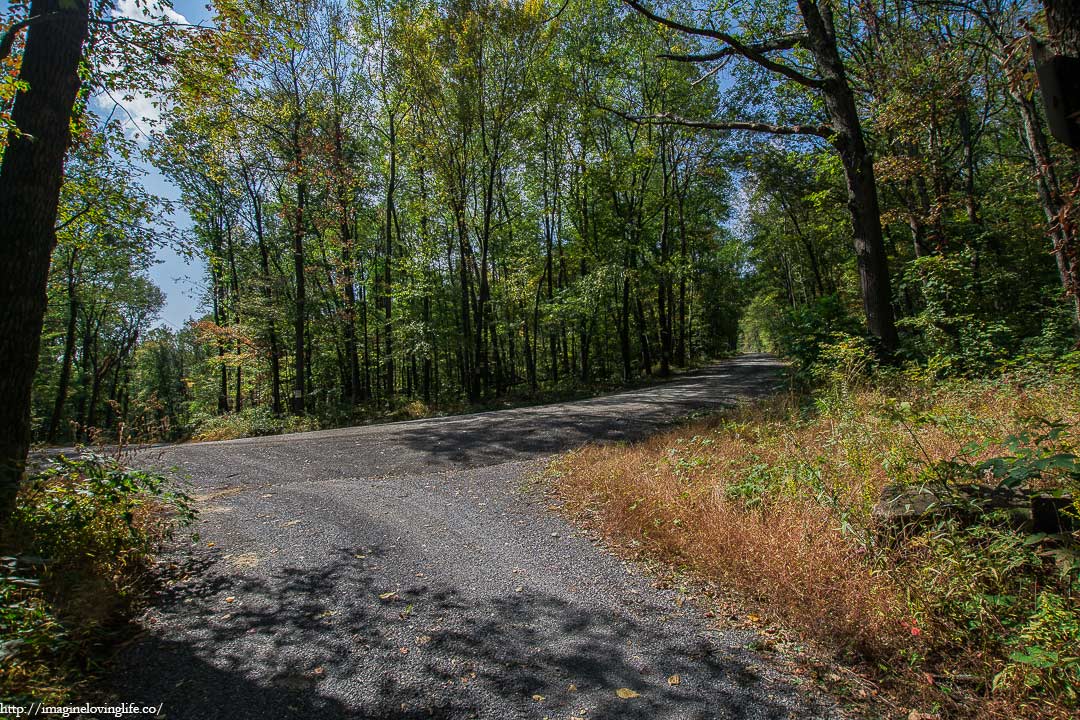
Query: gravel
[416,570]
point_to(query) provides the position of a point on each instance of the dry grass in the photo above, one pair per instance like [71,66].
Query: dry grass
[774,499]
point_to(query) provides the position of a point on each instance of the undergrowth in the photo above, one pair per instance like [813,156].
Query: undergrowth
[250,422]
[75,563]
[260,420]
[962,616]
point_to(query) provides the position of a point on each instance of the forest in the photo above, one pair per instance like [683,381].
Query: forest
[402,209]
[407,206]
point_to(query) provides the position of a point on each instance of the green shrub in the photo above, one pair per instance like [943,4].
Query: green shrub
[1047,655]
[801,333]
[75,564]
[249,422]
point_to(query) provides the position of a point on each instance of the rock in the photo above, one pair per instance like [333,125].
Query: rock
[904,507]
[1051,514]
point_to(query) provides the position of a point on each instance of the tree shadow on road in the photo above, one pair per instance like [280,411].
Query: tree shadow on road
[328,643]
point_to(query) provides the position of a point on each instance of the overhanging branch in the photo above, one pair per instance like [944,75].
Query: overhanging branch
[784,43]
[747,51]
[822,131]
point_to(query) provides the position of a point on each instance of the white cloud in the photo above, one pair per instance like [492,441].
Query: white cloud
[155,11]
[137,108]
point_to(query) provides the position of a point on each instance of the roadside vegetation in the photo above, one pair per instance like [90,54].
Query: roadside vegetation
[402,206]
[962,610]
[75,565]
[260,420]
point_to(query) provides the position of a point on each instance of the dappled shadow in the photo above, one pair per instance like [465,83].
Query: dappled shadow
[328,643]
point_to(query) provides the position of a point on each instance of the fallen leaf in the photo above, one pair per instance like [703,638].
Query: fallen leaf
[210,544]
[674,680]
[230,599]
[572,688]
[291,523]
[404,651]
[388,596]
[754,618]
[680,600]
[539,698]
[318,671]
[627,693]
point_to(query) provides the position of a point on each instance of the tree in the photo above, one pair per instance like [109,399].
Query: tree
[844,132]
[30,177]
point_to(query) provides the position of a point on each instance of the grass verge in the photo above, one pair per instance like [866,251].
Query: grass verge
[75,564]
[955,616]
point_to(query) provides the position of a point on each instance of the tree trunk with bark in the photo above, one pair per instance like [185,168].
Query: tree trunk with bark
[30,179]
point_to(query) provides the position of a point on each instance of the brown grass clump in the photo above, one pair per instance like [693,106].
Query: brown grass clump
[774,499]
[683,498]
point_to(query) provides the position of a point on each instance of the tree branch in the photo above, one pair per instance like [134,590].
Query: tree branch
[783,43]
[8,39]
[747,51]
[822,131]
[88,207]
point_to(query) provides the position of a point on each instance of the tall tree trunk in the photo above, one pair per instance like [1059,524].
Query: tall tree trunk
[388,261]
[300,321]
[662,294]
[1063,22]
[858,172]
[680,350]
[624,328]
[30,179]
[217,293]
[69,352]
[267,292]
[234,283]
[1050,196]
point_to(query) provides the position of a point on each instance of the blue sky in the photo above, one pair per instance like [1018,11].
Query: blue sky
[179,279]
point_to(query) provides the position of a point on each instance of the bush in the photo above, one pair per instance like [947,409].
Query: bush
[801,333]
[76,563]
[249,422]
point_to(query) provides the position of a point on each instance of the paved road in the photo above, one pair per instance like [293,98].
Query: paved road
[412,570]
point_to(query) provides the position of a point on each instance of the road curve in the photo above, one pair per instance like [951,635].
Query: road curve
[412,570]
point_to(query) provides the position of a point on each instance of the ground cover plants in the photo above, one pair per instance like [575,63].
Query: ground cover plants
[960,614]
[75,565]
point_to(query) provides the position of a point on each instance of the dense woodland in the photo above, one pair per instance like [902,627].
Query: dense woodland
[403,205]
[410,207]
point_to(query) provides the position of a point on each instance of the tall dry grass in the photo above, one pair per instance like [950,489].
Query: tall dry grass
[775,498]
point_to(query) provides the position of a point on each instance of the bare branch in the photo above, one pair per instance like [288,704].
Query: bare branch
[822,131]
[782,43]
[747,51]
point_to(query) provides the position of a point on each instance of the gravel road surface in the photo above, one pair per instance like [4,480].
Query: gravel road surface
[415,570]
